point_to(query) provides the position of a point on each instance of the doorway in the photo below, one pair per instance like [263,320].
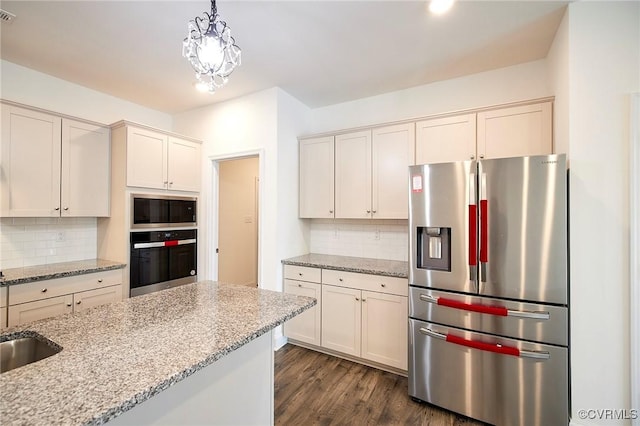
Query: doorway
[238,225]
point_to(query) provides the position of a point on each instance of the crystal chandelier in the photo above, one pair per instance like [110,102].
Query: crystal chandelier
[211,50]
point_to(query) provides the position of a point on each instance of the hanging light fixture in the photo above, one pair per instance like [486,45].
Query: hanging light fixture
[211,50]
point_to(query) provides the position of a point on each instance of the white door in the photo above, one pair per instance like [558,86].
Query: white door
[516,131]
[441,140]
[316,178]
[306,326]
[238,221]
[183,165]
[86,169]
[392,154]
[40,309]
[30,163]
[384,328]
[341,321]
[353,175]
[146,159]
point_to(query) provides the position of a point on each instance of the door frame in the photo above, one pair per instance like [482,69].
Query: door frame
[213,207]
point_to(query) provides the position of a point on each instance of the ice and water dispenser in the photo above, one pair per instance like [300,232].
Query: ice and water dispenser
[434,248]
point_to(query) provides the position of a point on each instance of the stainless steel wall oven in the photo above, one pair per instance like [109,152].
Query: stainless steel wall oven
[162,259]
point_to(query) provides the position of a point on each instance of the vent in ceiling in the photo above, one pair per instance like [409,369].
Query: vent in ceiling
[6,17]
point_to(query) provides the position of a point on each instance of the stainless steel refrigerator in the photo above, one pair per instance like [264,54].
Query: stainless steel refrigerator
[488,300]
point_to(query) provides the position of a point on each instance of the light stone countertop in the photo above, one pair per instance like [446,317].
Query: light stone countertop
[29,274]
[118,355]
[362,265]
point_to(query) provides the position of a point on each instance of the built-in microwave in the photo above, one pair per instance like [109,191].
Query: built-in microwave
[159,211]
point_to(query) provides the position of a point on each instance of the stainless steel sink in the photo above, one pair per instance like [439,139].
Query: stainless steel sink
[25,349]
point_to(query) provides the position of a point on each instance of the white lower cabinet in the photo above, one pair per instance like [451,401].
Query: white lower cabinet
[43,299]
[306,326]
[384,329]
[3,307]
[341,319]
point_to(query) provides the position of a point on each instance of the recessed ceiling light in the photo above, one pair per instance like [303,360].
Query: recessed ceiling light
[438,7]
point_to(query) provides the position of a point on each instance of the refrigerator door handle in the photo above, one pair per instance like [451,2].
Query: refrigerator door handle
[484,228]
[473,229]
[484,309]
[483,346]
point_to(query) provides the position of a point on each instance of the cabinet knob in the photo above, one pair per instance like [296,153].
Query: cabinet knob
[300,273]
[340,279]
[364,300]
[368,211]
[299,285]
[69,304]
[44,290]
[66,208]
[166,182]
[170,183]
[481,156]
[357,300]
[100,280]
[57,209]
[473,157]
[331,211]
[373,211]
[78,302]
[383,285]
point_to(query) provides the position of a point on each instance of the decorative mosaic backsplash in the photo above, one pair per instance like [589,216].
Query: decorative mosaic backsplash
[40,241]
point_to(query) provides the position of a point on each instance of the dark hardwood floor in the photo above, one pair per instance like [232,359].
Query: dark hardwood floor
[312,388]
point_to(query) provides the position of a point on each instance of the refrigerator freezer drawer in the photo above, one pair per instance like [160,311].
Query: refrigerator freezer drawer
[527,321]
[499,381]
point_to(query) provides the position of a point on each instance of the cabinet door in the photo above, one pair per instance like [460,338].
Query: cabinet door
[441,140]
[87,299]
[146,159]
[29,163]
[33,311]
[341,310]
[316,178]
[392,154]
[384,329]
[353,175]
[183,165]
[515,132]
[3,318]
[86,169]
[306,326]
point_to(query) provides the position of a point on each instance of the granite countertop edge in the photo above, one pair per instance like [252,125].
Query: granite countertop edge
[351,264]
[27,277]
[114,412]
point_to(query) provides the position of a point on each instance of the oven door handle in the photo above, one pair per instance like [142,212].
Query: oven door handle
[164,243]
[488,347]
[484,309]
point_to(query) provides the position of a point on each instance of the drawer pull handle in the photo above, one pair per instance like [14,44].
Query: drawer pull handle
[484,309]
[483,346]
[100,280]
[78,302]
[44,290]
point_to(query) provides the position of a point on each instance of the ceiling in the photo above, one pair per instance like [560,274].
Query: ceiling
[320,52]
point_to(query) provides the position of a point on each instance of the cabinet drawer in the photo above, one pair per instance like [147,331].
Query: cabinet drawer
[369,282]
[302,273]
[39,290]
[3,297]
[40,309]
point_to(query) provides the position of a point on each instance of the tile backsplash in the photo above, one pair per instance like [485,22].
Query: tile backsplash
[376,239]
[39,241]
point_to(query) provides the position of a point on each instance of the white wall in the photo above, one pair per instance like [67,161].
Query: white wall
[604,57]
[558,76]
[26,86]
[504,85]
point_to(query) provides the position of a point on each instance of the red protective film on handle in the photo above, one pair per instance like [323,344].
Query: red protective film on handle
[483,309]
[489,347]
[473,232]
[484,229]
[171,243]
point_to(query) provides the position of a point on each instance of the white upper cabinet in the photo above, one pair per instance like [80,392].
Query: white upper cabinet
[316,178]
[160,161]
[441,140]
[353,175]
[392,154]
[515,131]
[52,166]
[86,166]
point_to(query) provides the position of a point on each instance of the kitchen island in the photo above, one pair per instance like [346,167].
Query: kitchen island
[196,353]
